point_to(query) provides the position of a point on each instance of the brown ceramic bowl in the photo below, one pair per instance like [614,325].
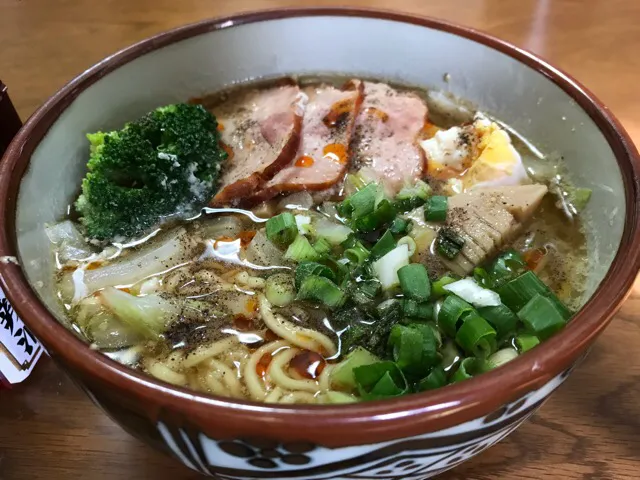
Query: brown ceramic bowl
[411,437]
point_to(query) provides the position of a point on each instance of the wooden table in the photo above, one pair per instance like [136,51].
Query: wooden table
[589,429]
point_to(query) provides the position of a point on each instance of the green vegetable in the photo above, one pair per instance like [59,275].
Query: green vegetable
[301,250]
[322,246]
[450,314]
[384,245]
[280,289]
[435,209]
[360,203]
[384,213]
[500,358]
[166,163]
[501,318]
[413,309]
[516,293]
[282,229]
[380,380]
[412,197]
[436,379]
[305,269]
[399,226]
[449,243]
[506,267]
[148,315]
[526,342]
[414,348]
[450,355]
[414,281]
[476,336]
[482,277]
[437,288]
[542,316]
[469,367]
[364,292]
[342,375]
[321,290]
[357,254]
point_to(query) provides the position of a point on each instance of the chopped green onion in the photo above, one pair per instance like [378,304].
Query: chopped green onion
[399,226]
[364,292]
[501,318]
[450,355]
[500,358]
[469,368]
[341,271]
[450,314]
[321,290]
[476,336]
[357,254]
[414,348]
[350,242]
[380,380]
[507,266]
[437,287]
[482,277]
[542,317]
[449,243]
[436,379]
[342,375]
[386,268]
[410,243]
[384,213]
[420,189]
[435,210]
[322,246]
[305,269]
[414,281]
[282,229]
[332,231]
[383,246]
[516,293]
[360,203]
[526,342]
[413,309]
[301,250]
[280,289]
[412,197]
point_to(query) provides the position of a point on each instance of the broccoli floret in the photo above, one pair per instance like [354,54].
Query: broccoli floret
[166,163]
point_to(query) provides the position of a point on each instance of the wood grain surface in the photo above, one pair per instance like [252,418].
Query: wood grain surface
[589,429]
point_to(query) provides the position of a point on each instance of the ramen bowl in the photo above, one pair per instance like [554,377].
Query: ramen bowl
[415,436]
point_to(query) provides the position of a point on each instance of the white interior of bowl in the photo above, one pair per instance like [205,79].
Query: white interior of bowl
[391,50]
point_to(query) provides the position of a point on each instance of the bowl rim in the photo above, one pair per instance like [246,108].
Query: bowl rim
[340,425]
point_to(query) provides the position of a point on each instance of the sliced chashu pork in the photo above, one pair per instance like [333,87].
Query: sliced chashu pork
[385,143]
[322,156]
[487,219]
[261,131]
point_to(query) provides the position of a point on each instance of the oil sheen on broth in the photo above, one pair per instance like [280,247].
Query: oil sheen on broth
[365,242]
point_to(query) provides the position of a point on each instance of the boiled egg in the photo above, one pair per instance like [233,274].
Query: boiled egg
[479,154]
